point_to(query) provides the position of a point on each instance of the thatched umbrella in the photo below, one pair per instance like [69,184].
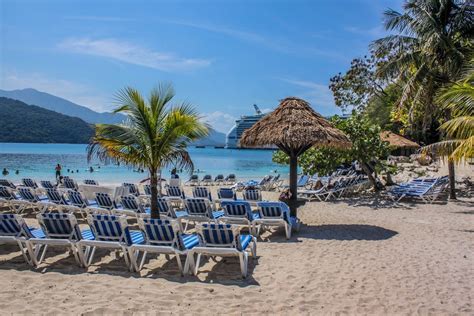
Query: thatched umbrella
[397,141]
[294,127]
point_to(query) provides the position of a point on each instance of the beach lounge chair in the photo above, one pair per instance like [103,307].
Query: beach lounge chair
[60,229]
[82,204]
[57,198]
[202,192]
[276,214]
[206,180]
[70,184]
[147,189]
[46,184]
[238,213]
[14,202]
[166,208]
[428,189]
[252,195]
[175,195]
[226,194]
[35,201]
[230,179]
[91,182]
[110,232]
[13,230]
[200,210]
[132,188]
[105,201]
[131,206]
[30,183]
[193,180]
[7,183]
[224,240]
[163,236]
[219,179]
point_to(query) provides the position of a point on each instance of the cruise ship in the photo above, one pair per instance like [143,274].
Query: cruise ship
[245,122]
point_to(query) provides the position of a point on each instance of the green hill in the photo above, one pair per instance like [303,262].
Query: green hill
[23,123]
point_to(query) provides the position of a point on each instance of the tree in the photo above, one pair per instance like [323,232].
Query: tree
[322,160]
[433,43]
[367,148]
[459,99]
[358,85]
[154,135]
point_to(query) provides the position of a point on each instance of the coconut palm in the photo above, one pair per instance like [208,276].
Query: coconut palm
[153,136]
[433,44]
[459,99]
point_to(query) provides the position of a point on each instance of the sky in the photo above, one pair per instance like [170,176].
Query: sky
[221,56]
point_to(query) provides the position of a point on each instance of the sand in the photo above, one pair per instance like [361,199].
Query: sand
[354,256]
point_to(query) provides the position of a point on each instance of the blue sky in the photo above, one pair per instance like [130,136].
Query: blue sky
[221,56]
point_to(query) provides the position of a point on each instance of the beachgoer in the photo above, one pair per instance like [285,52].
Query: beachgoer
[5,172]
[58,171]
[17,172]
[91,169]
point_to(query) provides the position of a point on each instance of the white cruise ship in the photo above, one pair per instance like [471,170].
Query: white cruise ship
[245,122]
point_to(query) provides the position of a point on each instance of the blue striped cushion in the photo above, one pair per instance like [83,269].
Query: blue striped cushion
[87,234]
[226,193]
[56,197]
[9,225]
[174,191]
[201,192]
[237,208]
[218,234]
[104,200]
[158,231]
[244,241]
[36,233]
[47,184]
[58,225]
[197,206]
[252,195]
[130,203]
[188,241]
[217,214]
[181,213]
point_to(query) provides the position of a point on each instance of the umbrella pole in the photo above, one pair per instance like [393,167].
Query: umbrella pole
[293,183]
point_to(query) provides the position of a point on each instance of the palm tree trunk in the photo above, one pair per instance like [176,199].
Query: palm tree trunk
[452,180]
[154,194]
[372,179]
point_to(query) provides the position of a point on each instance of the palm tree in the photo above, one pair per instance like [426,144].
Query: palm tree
[459,100]
[433,44]
[153,136]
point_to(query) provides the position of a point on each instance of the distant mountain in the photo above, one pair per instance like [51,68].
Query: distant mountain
[63,106]
[60,105]
[214,138]
[23,123]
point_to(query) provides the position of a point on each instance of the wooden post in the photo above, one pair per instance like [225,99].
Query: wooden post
[293,183]
[452,180]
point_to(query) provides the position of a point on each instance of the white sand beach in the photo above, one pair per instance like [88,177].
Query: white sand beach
[353,256]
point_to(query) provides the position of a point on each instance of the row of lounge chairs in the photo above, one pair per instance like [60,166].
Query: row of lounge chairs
[207,180]
[340,187]
[426,189]
[155,236]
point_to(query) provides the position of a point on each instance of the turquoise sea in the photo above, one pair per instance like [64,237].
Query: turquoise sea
[37,161]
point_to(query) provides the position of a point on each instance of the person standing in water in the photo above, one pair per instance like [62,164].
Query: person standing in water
[58,171]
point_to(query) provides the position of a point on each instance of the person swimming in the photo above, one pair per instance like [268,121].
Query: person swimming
[5,172]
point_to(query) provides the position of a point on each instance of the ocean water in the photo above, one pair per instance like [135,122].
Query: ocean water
[38,161]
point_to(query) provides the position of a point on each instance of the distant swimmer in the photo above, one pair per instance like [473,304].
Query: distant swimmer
[91,169]
[58,171]
[17,172]
[5,172]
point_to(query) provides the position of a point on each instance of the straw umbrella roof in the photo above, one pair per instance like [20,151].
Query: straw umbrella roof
[294,127]
[397,141]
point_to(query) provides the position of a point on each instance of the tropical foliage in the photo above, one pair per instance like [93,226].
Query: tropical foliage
[367,148]
[459,100]
[155,134]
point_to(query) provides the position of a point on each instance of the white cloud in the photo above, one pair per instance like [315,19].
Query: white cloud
[130,53]
[219,121]
[319,95]
[72,91]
